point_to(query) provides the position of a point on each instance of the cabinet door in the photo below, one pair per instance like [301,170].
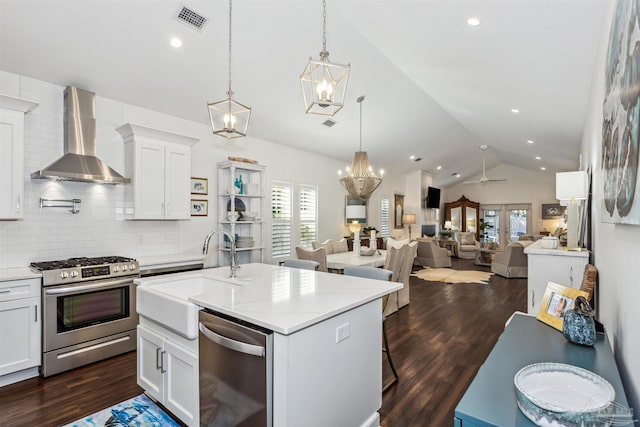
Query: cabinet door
[181,383]
[150,355]
[177,182]
[149,180]
[11,163]
[20,335]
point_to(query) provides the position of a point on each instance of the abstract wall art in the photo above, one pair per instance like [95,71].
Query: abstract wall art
[621,118]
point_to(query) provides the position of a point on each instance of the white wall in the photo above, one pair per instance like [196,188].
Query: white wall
[616,247]
[522,186]
[99,228]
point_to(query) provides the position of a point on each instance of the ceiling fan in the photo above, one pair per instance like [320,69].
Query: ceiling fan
[484,178]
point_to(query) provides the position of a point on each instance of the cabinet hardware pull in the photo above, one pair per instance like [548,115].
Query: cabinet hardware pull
[158,355]
[162,362]
[18,205]
[35,307]
[5,291]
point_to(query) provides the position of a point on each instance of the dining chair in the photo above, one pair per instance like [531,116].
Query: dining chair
[378,274]
[318,255]
[303,264]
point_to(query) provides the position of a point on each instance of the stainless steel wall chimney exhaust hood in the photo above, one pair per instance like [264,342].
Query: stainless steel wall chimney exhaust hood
[79,162]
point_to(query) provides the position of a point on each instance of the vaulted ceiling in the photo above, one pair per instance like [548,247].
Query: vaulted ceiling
[435,87]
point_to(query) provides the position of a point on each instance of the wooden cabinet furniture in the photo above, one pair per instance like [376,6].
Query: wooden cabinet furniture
[12,112]
[490,399]
[364,243]
[463,214]
[249,202]
[168,371]
[20,334]
[551,265]
[159,165]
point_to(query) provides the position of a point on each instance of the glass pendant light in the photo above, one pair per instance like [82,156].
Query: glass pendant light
[229,118]
[324,84]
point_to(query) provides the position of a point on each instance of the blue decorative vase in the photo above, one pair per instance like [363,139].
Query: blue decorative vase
[579,325]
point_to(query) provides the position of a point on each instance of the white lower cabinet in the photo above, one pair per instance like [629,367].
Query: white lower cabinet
[168,372]
[20,334]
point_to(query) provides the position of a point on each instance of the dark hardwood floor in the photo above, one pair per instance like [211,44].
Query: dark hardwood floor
[438,343]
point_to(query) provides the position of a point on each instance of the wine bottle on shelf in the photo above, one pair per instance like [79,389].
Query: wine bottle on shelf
[240,186]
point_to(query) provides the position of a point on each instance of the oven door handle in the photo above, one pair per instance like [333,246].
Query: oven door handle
[81,288]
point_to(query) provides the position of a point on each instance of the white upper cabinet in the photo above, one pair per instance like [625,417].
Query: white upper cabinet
[12,111]
[159,165]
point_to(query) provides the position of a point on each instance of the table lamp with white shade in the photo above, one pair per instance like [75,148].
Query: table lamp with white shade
[572,187]
[409,219]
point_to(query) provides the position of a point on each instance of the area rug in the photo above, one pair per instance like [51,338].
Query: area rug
[449,275]
[138,411]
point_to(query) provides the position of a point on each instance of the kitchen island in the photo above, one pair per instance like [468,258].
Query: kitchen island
[326,359]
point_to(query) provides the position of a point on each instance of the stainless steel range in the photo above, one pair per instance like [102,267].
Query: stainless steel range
[89,310]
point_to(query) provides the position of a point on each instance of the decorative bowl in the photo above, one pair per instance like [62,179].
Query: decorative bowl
[367,252]
[561,395]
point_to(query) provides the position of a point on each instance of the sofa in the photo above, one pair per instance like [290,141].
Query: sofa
[430,254]
[512,262]
[466,244]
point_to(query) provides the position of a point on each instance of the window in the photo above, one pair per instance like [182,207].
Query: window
[308,215]
[281,220]
[384,217]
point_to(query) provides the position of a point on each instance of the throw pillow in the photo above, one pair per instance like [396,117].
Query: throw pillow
[467,239]
[394,243]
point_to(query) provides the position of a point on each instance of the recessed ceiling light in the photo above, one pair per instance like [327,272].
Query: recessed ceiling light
[411,157]
[175,42]
[473,21]
[543,168]
[530,141]
[515,110]
[457,175]
[538,158]
[439,168]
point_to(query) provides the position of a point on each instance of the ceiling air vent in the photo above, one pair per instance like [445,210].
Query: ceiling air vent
[328,123]
[191,18]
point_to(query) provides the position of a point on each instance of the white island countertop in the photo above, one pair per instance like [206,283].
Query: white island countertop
[284,300]
[538,249]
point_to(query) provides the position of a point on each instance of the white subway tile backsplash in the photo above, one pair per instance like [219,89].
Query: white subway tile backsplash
[99,228]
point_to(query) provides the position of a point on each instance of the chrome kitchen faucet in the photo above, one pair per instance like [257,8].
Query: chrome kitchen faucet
[234,257]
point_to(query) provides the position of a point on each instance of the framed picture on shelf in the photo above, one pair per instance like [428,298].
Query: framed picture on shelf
[552,211]
[199,207]
[199,186]
[556,301]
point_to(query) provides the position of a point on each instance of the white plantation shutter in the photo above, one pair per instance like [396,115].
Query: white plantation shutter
[308,215]
[281,220]
[384,217]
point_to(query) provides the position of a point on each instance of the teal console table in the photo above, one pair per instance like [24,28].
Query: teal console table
[490,400]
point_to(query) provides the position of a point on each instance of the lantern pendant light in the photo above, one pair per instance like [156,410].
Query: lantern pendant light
[229,118]
[360,181]
[324,84]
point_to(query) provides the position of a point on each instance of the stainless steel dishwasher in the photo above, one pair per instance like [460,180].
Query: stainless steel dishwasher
[236,372]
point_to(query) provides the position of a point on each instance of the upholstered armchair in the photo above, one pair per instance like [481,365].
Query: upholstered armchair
[466,244]
[512,262]
[432,255]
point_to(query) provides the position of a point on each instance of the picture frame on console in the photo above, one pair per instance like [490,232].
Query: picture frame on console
[556,301]
[552,211]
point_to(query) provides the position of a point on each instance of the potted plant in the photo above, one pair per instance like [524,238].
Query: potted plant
[483,226]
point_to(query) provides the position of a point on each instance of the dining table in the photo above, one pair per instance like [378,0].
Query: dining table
[338,261]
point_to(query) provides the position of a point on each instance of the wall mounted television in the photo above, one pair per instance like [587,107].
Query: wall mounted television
[433,198]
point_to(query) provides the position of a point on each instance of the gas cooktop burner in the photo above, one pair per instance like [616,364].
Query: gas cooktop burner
[79,262]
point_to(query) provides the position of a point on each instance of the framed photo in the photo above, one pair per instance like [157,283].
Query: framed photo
[556,300]
[398,210]
[199,207]
[355,210]
[199,186]
[552,211]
